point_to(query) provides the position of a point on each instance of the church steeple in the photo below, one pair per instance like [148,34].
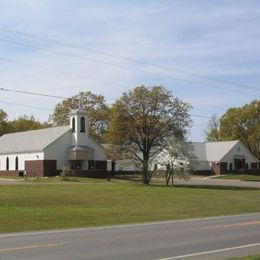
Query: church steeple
[79,126]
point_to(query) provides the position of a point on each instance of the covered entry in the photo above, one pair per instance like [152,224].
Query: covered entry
[79,157]
[240,163]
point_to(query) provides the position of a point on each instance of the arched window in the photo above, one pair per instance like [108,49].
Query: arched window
[16,163]
[7,163]
[73,124]
[82,124]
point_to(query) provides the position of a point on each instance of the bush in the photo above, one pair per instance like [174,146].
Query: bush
[65,173]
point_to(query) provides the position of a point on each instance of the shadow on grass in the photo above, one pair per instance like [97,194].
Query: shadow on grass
[127,178]
[215,187]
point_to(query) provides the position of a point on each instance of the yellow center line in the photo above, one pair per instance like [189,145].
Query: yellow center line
[10,249]
[234,225]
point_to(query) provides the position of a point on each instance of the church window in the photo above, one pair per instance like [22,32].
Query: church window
[82,124]
[16,163]
[7,163]
[73,124]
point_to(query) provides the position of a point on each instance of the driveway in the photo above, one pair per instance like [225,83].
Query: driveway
[10,181]
[218,182]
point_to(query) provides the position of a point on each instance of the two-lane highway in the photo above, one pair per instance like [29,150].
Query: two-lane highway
[208,238]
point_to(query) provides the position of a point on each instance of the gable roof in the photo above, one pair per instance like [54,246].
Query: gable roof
[217,150]
[30,141]
[213,151]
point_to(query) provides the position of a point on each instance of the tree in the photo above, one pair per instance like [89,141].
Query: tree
[3,116]
[212,132]
[243,123]
[25,123]
[176,158]
[142,121]
[95,107]
[4,127]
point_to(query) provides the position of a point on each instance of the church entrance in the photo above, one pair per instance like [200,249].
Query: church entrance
[75,165]
[239,163]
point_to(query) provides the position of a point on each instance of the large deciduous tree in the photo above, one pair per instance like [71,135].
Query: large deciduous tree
[243,123]
[143,120]
[95,107]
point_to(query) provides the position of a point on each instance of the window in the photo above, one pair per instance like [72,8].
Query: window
[7,163]
[82,124]
[73,124]
[16,163]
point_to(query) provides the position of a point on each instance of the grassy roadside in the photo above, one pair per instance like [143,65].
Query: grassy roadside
[241,177]
[51,203]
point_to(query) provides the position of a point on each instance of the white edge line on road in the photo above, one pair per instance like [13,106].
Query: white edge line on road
[209,252]
[123,226]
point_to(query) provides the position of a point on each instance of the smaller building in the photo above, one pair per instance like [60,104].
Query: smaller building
[222,157]
[47,151]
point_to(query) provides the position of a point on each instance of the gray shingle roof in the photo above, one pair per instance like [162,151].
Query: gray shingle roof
[213,151]
[30,141]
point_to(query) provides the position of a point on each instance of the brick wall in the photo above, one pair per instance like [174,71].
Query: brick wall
[219,168]
[9,173]
[40,168]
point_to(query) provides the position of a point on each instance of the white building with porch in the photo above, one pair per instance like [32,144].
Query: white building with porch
[47,151]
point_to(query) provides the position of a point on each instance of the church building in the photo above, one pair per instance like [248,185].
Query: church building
[46,152]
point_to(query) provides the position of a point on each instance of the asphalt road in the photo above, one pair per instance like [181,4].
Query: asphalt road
[219,182]
[208,238]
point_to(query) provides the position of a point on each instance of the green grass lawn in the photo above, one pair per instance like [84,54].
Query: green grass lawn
[241,177]
[51,203]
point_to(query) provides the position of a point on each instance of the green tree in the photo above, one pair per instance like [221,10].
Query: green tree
[142,121]
[25,123]
[4,126]
[212,133]
[95,107]
[243,123]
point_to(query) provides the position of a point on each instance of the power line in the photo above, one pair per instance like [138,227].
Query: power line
[200,116]
[228,82]
[23,105]
[59,71]
[58,97]
[31,93]
[112,83]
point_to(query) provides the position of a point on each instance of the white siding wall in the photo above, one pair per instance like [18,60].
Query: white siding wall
[239,151]
[126,165]
[99,154]
[57,150]
[80,138]
[201,165]
[22,157]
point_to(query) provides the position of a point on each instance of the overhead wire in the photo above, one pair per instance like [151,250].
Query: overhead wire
[121,66]
[106,82]
[59,71]
[127,58]
[23,105]
[54,96]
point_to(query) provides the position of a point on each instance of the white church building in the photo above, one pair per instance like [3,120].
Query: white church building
[45,152]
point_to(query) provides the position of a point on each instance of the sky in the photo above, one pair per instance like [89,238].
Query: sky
[207,52]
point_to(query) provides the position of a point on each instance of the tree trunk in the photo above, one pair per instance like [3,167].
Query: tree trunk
[146,179]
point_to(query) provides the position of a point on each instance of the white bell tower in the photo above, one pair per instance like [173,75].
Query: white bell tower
[79,126]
